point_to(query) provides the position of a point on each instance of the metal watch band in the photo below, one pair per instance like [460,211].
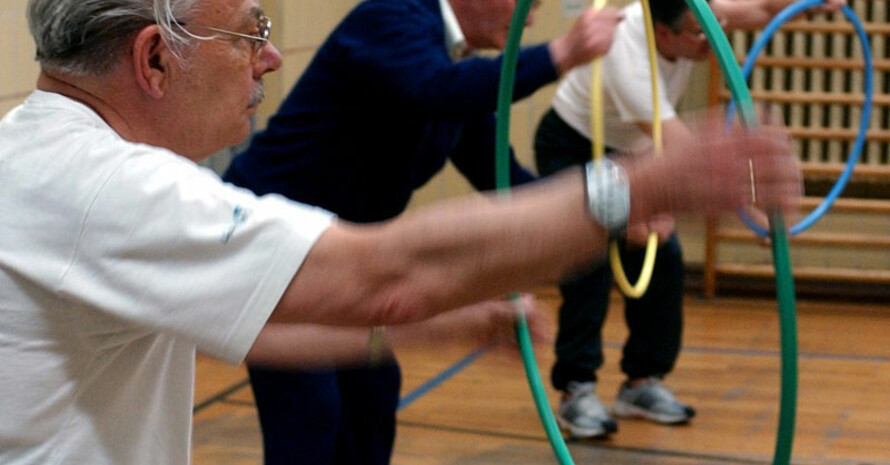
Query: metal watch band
[608,195]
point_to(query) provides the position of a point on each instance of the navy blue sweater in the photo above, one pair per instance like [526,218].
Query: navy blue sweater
[379,110]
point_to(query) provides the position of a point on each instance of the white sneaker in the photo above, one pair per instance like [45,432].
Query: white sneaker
[651,401]
[582,414]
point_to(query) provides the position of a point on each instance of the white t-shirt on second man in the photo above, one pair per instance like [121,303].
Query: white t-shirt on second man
[627,87]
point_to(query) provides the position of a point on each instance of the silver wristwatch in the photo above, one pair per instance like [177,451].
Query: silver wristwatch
[608,195]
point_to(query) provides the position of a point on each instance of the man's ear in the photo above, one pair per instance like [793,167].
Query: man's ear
[152,61]
[663,34]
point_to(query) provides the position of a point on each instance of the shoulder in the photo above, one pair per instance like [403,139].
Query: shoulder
[388,21]
[633,27]
[388,10]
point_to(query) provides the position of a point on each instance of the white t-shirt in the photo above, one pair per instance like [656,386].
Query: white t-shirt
[627,88]
[117,262]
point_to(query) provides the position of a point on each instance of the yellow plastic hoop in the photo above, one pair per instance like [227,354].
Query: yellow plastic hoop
[634,291]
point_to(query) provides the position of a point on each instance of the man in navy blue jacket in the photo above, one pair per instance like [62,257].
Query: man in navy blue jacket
[391,95]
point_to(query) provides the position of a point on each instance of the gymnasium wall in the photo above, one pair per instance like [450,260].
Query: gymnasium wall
[18,71]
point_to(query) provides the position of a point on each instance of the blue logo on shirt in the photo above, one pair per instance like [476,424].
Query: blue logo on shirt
[239,216]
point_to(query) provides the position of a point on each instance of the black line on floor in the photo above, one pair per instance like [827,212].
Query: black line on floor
[238,403]
[220,395]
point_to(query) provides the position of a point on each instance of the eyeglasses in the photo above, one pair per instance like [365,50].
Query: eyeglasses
[696,36]
[263,28]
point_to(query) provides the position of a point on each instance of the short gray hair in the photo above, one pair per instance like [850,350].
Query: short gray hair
[89,37]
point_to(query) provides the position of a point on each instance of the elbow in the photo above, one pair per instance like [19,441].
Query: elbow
[400,305]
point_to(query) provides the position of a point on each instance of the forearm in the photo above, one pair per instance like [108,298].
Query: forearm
[671,129]
[434,259]
[752,14]
[472,155]
[304,346]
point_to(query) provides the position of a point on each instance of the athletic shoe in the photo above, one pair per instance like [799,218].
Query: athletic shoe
[582,414]
[651,401]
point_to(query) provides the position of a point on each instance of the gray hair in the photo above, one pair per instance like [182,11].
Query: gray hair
[90,37]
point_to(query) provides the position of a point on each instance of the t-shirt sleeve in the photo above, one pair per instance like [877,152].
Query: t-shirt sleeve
[169,248]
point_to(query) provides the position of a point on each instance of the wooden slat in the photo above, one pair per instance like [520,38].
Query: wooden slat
[835,169]
[813,238]
[835,28]
[850,205]
[810,273]
[812,98]
[849,134]
[809,63]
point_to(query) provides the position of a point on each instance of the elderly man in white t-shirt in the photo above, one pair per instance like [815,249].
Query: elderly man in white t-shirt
[120,257]
[563,139]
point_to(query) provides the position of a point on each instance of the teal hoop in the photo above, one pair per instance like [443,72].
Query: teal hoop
[781,259]
[502,181]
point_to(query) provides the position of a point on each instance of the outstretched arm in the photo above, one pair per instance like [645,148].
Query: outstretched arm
[452,254]
[307,346]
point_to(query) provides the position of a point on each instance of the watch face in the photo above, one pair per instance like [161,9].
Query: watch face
[608,195]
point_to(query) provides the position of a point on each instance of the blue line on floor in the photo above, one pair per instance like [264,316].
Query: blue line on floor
[440,378]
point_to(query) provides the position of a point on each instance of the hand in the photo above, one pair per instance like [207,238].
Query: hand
[830,6]
[499,328]
[710,173]
[637,235]
[490,322]
[590,37]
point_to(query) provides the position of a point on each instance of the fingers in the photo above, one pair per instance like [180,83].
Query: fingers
[636,235]
[590,37]
[712,171]
[777,179]
[831,6]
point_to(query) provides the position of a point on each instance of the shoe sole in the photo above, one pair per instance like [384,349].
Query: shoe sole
[626,410]
[581,433]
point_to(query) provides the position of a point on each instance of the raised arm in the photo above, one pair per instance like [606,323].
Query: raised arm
[752,14]
[590,37]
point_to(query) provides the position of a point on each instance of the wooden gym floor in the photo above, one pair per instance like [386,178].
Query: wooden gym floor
[481,412]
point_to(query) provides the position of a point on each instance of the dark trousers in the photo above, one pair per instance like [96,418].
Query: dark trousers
[342,417]
[655,321]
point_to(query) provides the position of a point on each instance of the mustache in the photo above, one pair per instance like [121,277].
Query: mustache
[257,94]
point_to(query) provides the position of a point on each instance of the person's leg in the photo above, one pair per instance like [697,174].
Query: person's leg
[299,415]
[655,320]
[558,146]
[655,323]
[370,397]
[585,301]
[579,353]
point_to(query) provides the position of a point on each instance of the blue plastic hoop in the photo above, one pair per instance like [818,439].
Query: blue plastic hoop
[783,17]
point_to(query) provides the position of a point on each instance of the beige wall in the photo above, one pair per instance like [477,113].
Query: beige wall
[18,71]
